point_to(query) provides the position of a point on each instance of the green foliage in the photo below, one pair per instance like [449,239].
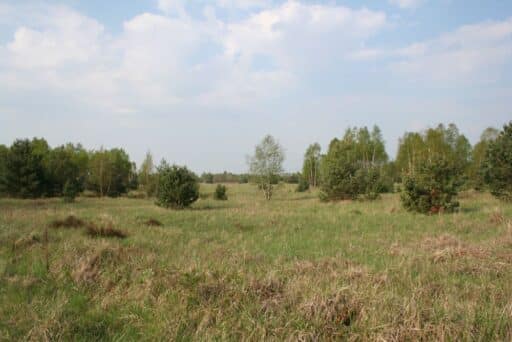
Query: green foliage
[207,177]
[109,172]
[65,163]
[311,166]
[497,168]
[352,165]
[291,178]
[303,185]
[24,169]
[440,142]
[70,191]
[478,155]
[177,186]
[244,179]
[434,166]
[147,176]
[3,158]
[433,187]
[220,193]
[267,164]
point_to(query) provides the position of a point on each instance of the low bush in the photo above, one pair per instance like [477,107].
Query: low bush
[497,168]
[303,185]
[177,187]
[432,188]
[69,192]
[220,193]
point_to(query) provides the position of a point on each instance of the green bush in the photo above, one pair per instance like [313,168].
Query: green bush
[351,169]
[69,191]
[432,188]
[243,179]
[497,168]
[303,185]
[177,187]
[220,193]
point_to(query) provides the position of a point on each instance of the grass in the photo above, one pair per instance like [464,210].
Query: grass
[248,269]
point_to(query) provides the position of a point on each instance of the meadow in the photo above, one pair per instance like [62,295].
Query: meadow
[292,268]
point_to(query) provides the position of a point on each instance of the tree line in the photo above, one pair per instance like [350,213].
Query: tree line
[431,167]
[31,168]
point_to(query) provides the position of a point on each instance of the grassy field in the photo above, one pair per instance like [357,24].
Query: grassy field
[293,268]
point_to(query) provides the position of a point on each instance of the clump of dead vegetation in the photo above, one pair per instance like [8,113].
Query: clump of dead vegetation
[153,223]
[334,310]
[27,241]
[496,217]
[69,222]
[446,247]
[89,266]
[104,230]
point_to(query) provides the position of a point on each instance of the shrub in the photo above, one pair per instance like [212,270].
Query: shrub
[432,188]
[497,167]
[69,191]
[177,187]
[220,192]
[303,185]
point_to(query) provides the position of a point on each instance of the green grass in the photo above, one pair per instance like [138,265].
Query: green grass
[291,268]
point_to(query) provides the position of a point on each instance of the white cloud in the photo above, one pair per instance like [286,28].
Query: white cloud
[407,3]
[298,35]
[472,52]
[163,61]
[68,38]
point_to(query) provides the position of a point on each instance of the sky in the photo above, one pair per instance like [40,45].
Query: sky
[201,82]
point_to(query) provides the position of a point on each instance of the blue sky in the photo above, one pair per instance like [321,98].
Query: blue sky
[201,82]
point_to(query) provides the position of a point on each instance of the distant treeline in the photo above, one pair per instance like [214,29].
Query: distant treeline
[355,165]
[228,177]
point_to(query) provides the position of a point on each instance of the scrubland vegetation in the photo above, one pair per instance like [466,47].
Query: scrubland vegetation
[248,268]
[355,247]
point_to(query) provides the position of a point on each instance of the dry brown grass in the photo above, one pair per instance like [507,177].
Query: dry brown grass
[446,247]
[496,217]
[27,241]
[331,311]
[69,222]
[106,230]
[89,267]
[153,223]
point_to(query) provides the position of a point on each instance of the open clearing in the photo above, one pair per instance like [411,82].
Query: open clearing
[246,268]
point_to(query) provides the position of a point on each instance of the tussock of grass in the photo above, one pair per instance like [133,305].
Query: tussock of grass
[105,231]
[27,241]
[89,266]
[329,312]
[69,222]
[153,223]
[496,217]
